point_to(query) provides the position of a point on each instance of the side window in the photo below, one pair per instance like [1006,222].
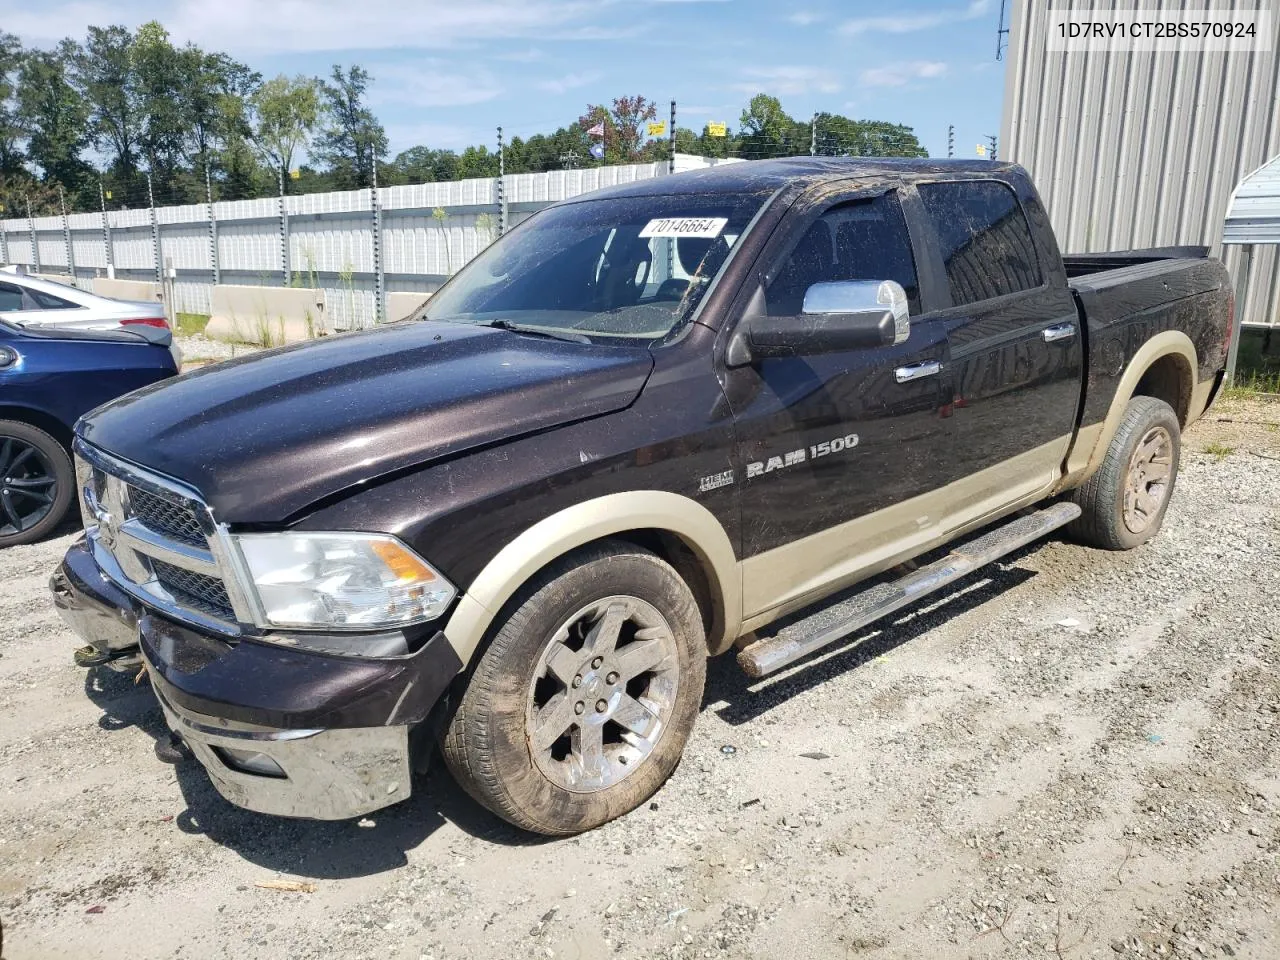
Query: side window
[984,238]
[10,297]
[47,301]
[860,240]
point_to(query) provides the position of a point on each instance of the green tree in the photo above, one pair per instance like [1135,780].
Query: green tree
[767,130]
[424,165]
[11,132]
[625,139]
[286,112]
[105,76]
[55,118]
[839,136]
[352,139]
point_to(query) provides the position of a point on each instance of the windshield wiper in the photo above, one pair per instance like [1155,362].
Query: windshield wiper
[537,331]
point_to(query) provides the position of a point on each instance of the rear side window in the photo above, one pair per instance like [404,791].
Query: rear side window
[860,240]
[47,301]
[10,297]
[984,237]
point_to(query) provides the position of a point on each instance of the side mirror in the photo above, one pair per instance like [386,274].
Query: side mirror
[843,315]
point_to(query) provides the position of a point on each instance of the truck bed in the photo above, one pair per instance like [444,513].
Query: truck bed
[1085,264]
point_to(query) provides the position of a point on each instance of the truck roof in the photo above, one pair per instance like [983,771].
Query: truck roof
[767,176]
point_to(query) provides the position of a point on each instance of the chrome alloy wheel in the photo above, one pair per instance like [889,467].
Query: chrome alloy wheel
[602,694]
[1147,482]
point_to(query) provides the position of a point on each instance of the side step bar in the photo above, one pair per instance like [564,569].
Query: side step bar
[771,654]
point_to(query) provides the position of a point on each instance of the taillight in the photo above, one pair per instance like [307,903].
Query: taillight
[160,322]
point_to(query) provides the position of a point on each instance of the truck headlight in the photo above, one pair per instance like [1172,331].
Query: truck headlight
[342,581]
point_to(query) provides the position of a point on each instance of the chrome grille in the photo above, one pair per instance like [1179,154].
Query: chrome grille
[208,594]
[173,519]
[149,535]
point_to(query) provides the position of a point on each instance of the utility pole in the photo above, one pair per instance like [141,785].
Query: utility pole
[284,230]
[155,229]
[213,226]
[951,140]
[671,136]
[31,226]
[106,232]
[379,275]
[813,135]
[994,143]
[502,176]
[66,235]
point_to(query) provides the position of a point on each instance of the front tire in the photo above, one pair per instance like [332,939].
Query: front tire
[580,707]
[37,482]
[1125,500]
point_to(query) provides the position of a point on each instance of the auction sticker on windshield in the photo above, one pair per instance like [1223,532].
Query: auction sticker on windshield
[707,227]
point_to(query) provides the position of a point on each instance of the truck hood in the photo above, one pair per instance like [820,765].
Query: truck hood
[266,436]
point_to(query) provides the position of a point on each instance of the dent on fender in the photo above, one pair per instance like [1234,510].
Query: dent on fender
[592,520]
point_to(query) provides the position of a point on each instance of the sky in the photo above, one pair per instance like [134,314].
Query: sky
[446,73]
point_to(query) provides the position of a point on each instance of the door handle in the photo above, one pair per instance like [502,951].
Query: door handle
[917,371]
[1061,331]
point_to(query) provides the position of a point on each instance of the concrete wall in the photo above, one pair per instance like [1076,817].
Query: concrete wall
[268,316]
[124,289]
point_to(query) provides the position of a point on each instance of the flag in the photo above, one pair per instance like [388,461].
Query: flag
[597,151]
[597,130]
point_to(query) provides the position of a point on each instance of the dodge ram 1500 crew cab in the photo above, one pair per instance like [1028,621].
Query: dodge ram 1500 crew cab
[642,426]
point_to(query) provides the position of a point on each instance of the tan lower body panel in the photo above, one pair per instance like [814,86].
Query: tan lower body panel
[789,577]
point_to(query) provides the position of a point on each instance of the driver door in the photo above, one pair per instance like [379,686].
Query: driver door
[839,451]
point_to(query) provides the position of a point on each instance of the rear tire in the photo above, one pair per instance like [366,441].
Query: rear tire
[580,707]
[1125,500]
[37,483]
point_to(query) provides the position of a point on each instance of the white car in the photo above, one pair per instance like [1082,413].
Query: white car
[40,304]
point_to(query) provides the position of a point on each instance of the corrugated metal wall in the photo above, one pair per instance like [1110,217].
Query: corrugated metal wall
[1143,149]
[330,237]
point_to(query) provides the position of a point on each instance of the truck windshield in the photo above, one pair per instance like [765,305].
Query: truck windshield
[630,267]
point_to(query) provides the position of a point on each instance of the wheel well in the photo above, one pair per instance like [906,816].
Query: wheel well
[681,556]
[1168,379]
[44,421]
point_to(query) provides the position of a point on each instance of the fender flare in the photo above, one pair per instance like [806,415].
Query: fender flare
[1092,442]
[582,523]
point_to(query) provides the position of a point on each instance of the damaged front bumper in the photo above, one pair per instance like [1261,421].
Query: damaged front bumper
[280,730]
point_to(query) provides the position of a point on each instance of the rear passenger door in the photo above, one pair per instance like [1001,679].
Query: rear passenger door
[1015,344]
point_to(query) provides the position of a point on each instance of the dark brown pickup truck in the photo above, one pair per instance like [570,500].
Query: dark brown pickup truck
[638,430]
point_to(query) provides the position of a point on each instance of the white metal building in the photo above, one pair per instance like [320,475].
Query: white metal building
[1144,149]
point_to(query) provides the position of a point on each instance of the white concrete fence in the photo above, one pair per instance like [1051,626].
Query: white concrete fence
[336,260]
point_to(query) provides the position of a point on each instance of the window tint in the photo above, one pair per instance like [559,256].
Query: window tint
[861,240]
[47,301]
[10,297]
[985,240]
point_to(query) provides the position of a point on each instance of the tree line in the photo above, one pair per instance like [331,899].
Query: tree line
[126,115]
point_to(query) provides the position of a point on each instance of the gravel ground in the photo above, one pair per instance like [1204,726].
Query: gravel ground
[199,350]
[1076,754]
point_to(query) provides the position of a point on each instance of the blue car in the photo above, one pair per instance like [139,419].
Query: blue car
[48,379]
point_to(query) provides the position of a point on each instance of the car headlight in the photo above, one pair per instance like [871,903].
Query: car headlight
[340,581]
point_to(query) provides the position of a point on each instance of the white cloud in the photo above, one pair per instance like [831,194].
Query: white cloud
[787,81]
[570,81]
[910,22]
[431,83]
[804,18]
[244,27]
[899,74]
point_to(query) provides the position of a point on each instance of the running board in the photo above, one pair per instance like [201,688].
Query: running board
[807,636]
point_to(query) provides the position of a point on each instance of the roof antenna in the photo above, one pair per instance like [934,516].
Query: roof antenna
[1002,33]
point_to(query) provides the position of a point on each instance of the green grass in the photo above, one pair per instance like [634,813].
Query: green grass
[189,324]
[1257,367]
[1219,450]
